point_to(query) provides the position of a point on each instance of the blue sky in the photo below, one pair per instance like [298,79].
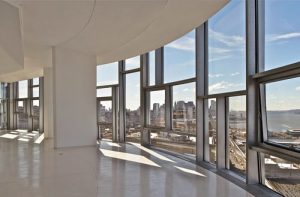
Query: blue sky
[282,48]
[107,74]
[227,63]
[282,32]
[226,38]
[180,58]
[133,91]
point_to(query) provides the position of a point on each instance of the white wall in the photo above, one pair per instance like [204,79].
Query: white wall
[74,100]
[48,102]
[11,44]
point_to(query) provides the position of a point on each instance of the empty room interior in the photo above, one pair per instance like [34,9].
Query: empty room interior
[142,98]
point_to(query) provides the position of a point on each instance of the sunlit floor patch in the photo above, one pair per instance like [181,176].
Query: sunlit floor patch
[151,152]
[113,144]
[9,136]
[107,140]
[31,134]
[21,131]
[29,137]
[23,139]
[39,139]
[128,157]
[35,132]
[189,171]
[14,132]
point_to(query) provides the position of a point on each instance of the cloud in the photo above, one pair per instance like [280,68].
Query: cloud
[133,62]
[185,64]
[225,46]
[215,75]
[223,85]
[185,43]
[218,50]
[279,37]
[234,74]
[219,58]
[106,82]
[229,41]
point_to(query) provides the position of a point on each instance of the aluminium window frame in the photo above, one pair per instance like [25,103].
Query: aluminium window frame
[122,79]
[14,96]
[114,98]
[262,77]
[202,56]
[160,85]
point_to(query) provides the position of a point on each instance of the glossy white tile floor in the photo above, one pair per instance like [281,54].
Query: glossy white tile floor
[113,170]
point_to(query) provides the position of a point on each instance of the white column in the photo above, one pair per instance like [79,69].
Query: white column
[74,88]
[48,102]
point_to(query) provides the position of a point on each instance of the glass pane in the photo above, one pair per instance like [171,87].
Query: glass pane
[184,109]
[105,130]
[237,134]
[3,114]
[133,124]
[107,74]
[132,63]
[180,59]
[152,68]
[226,38]
[35,108]
[212,139]
[105,113]
[20,106]
[282,176]
[103,92]
[35,92]
[35,81]
[283,112]
[22,121]
[105,118]
[157,108]
[22,117]
[35,123]
[23,89]
[184,119]
[3,90]
[282,33]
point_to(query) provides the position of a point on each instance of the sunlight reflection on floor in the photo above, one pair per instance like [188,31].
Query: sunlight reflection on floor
[189,171]
[128,157]
[151,152]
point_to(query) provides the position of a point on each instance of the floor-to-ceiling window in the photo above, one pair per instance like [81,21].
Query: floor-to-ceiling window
[35,103]
[28,104]
[226,78]
[132,99]
[22,105]
[107,86]
[278,79]
[171,96]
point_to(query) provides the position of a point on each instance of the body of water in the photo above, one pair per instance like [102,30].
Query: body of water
[282,121]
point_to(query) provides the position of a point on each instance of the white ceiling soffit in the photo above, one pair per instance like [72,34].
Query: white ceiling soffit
[123,29]
[109,29]
[11,47]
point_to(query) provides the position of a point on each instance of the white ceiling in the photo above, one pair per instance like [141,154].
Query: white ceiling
[109,29]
